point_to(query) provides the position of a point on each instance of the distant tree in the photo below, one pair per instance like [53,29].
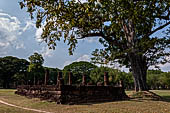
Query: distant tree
[157,79]
[153,81]
[115,76]
[97,74]
[78,69]
[165,80]
[36,68]
[53,73]
[9,66]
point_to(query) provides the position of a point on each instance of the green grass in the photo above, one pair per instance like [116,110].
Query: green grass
[164,93]
[129,106]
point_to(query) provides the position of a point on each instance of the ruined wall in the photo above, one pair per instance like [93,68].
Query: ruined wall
[68,94]
[73,94]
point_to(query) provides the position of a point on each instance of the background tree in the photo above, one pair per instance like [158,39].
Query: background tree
[97,75]
[35,68]
[20,76]
[9,66]
[165,80]
[125,28]
[53,73]
[78,69]
[115,76]
[153,79]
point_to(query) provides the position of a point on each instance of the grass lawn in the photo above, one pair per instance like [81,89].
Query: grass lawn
[129,106]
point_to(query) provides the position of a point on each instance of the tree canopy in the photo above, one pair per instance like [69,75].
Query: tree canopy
[78,69]
[35,68]
[9,66]
[126,29]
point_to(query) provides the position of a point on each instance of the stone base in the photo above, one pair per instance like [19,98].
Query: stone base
[68,94]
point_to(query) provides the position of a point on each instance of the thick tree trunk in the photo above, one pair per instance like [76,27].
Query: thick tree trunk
[139,71]
[137,60]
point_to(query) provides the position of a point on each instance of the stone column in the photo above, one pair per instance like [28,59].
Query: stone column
[60,75]
[121,84]
[46,77]
[70,78]
[84,79]
[106,81]
[60,80]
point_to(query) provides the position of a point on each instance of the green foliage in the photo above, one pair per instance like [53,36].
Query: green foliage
[126,29]
[10,66]
[157,79]
[78,69]
[73,20]
[115,76]
[35,68]
[53,73]
[36,61]
[97,74]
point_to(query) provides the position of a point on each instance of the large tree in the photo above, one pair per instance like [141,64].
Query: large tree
[9,66]
[35,68]
[126,29]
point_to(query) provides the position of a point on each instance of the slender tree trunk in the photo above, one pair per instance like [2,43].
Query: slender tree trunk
[139,70]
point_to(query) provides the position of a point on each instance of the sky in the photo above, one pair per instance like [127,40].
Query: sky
[19,37]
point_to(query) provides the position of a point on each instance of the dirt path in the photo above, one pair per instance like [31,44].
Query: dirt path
[12,105]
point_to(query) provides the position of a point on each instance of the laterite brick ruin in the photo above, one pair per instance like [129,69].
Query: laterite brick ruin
[73,94]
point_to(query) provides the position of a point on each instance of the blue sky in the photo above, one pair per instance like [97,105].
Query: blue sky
[20,38]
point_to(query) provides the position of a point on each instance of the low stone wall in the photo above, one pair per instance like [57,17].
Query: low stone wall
[68,94]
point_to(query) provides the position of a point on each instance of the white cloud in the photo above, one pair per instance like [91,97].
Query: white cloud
[38,35]
[81,58]
[20,45]
[29,24]
[67,63]
[9,31]
[165,67]
[46,52]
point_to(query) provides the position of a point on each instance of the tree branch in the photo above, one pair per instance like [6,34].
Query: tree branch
[91,35]
[159,28]
[164,17]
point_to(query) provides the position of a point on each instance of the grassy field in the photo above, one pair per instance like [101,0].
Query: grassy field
[129,106]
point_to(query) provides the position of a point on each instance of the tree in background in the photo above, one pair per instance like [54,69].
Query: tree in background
[153,79]
[165,80]
[97,75]
[115,76]
[20,76]
[10,66]
[35,68]
[158,79]
[125,28]
[78,69]
[53,73]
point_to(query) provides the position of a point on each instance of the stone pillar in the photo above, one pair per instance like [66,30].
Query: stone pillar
[60,76]
[121,84]
[106,81]
[70,78]
[84,79]
[60,80]
[46,77]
